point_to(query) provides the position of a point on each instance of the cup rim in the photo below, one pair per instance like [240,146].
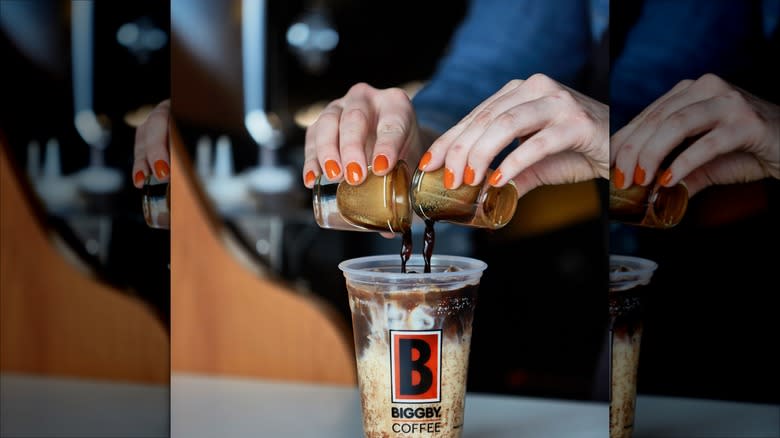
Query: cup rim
[470,268]
[642,269]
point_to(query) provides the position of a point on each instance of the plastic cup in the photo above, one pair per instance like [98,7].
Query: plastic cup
[627,278]
[412,341]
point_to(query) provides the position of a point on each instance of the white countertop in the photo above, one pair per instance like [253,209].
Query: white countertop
[208,407]
[36,406]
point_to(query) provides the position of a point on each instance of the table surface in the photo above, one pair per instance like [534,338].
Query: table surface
[208,406]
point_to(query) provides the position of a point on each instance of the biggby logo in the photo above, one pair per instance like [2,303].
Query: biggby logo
[415,360]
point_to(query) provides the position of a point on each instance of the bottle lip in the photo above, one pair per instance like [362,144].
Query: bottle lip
[386,269]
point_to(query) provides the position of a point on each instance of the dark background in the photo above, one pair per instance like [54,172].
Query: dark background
[710,312]
[38,105]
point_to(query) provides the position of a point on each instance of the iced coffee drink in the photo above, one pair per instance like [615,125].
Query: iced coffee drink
[412,340]
[628,277]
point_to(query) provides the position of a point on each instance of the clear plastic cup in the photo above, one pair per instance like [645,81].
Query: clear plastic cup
[627,278]
[482,206]
[380,203]
[412,341]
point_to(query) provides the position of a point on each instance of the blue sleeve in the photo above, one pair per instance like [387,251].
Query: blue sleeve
[675,40]
[501,40]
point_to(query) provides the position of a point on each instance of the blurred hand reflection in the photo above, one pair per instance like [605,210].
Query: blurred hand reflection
[151,146]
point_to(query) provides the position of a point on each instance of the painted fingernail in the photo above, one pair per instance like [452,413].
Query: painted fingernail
[332,169]
[426,158]
[161,169]
[139,177]
[495,177]
[449,179]
[639,175]
[309,177]
[665,178]
[380,163]
[468,175]
[619,178]
[354,173]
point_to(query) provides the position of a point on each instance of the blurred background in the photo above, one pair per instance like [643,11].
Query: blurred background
[112,69]
[541,322]
[85,282]
[707,326]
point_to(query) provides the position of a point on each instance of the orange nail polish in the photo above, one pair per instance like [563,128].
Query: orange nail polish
[139,177]
[161,169]
[354,173]
[666,177]
[449,179]
[426,158]
[495,177]
[639,175]
[468,175]
[310,177]
[619,178]
[332,169]
[380,163]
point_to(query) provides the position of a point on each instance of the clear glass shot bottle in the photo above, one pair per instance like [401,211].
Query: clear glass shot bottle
[653,206]
[156,202]
[379,204]
[482,206]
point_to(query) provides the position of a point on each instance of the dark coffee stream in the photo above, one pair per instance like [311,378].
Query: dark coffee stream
[429,240]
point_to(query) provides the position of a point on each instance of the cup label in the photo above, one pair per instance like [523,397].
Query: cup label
[415,361]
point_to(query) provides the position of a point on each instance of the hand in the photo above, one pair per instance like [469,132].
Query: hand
[563,135]
[365,124]
[151,145]
[738,137]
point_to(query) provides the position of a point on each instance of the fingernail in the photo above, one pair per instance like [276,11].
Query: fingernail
[495,177]
[354,173]
[449,179]
[309,177]
[619,178]
[639,175]
[332,169]
[380,163]
[426,158]
[161,169]
[468,175]
[666,178]
[139,177]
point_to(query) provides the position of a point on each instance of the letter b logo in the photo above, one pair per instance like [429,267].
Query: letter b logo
[416,365]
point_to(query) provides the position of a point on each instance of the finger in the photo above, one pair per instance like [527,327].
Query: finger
[519,121]
[140,172]
[325,137]
[152,136]
[703,88]
[544,143]
[387,235]
[311,168]
[547,171]
[620,136]
[354,129]
[435,156]
[729,168]
[393,130]
[457,150]
[689,121]
[715,143]
[624,142]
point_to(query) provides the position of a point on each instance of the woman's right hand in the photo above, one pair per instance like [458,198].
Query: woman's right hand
[366,125]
